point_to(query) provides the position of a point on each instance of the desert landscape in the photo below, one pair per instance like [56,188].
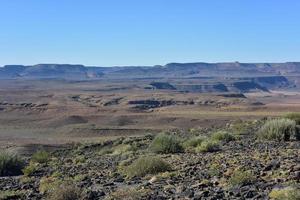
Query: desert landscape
[179,131]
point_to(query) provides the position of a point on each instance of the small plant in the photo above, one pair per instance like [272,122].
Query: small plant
[65,191]
[9,194]
[48,183]
[288,193]
[278,129]
[30,169]
[164,143]
[147,165]
[293,116]
[241,177]
[128,193]
[10,164]
[222,136]
[193,142]
[208,146]
[40,157]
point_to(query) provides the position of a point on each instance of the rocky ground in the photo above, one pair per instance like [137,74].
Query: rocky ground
[242,169]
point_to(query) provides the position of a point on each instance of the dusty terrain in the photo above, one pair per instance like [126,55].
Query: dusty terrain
[58,112]
[95,128]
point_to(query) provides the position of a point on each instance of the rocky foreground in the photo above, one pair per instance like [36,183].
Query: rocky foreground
[243,168]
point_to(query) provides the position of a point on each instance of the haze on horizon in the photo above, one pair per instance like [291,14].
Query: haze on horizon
[133,32]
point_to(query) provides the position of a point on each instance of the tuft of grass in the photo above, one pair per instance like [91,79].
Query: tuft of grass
[293,116]
[40,157]
[241,177]
[164,143]
[192,142]
[288,193]
[48,184]
[65,191]
[30,169]
[10,194]
[208,146]
[278,129]
[222,136]
[146,165]
[128,193]
[10,164]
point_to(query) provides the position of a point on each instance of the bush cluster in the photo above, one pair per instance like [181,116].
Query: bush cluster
[241,177]
[10,164]
[147,165]
[278,129]
[164,143]
[222,136]
[208,145]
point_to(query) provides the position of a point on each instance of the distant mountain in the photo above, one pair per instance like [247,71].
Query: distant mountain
[234,69]
[252,76]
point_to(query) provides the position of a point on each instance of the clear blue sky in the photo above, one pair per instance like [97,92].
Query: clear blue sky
[148,32]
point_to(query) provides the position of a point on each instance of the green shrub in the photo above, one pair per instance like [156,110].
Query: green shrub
[288,193]
[126,193]
[10,194]
[40,157]
[222,136]
[30,169]
[65,191]
[164,143]
[278,129]
[147,165]
[10,164]
[293,116]
[240,177]
[208,146]
[297,134]
[192,142]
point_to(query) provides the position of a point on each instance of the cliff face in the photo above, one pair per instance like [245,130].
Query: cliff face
[170,70]
[248,76]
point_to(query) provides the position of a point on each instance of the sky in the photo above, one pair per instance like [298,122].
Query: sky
[148,32]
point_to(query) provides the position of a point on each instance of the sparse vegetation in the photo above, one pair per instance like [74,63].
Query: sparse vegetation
[164,143]
[208,146]
[9,194]
[10,164]
[241,177]
[40,157]
[147,165]
[193,142]
[128,193]
[278,129]
[222,136]
[30,169]
[65,191]
[288,193]
[293,116]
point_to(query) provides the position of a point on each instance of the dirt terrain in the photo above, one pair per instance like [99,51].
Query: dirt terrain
[95,130]
[57,112]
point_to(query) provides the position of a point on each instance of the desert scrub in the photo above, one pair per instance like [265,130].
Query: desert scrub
[241,177]
[288,193]
[40,157]
[164,143]
[10,194]
[277,129]
[30,169]
[193,142]
[47,184]
[128,193]
[222,136]
[146,165]
[10,164]
[208,146]
[293,116]
[65,191]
